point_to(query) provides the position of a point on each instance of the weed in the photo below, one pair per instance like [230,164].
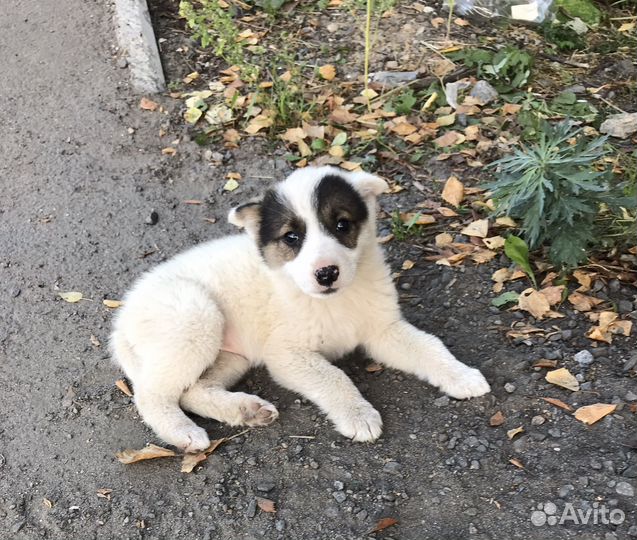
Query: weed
[556,188]
[402,230]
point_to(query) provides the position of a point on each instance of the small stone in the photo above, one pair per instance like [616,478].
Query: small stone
[509,387]
[152,218]
[471,511]
[279,525]
[392,467]
[625,489]
[630,396]
[537,420]
[576,89]
[362,515]
[122,63]
[314,464]
[442,401]
[338,485]
[483,91]
[217,156]
[620,125]
[624,306]
[475,465]
[17,526]
[632,531]
[554,432]
[265,486]
[537,436]
[472,529]
[550,508]
[252,508]
[584,358]
[630,472]
[339,496]
[565,491]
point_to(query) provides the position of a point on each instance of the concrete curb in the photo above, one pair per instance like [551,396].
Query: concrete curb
[137,41]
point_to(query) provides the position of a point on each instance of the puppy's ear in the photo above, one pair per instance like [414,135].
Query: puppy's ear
[367,184]
[247,216]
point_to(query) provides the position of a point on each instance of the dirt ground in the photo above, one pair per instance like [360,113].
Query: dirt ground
[81,172]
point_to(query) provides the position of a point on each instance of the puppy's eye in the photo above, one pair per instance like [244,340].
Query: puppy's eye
[343,226]
[291,238]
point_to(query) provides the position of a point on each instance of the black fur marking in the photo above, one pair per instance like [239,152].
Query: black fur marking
[337,201]
[277,220]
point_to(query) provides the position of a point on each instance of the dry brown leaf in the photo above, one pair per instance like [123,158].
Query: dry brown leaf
[584,279]
[609,325]
[104,493]
[258,123]
[408,264]
[481,256]
[553,294]
[558,403]
[121,384]
[495,242]
[517,463]
[534,302]
[341,115]
[294,135]
[194,202]
[169,151]
[450,138]
[497,419]
[453,191]
[190,461]
[383,524]
[443,239]
[479,228]
[151,451]
[48,503]
[403,128]
[564,378]
[112,303]
[589,414]
[148,104]
[422,219]
[266,505]
[437,21]
[460,22]
[374,367]
[545,363]
[446,212]
[327,72]
[513,432]
[505,221]
[582,302]
[510,108]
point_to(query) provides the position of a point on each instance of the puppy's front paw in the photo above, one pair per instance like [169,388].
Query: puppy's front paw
[190,439]
[360,422]
[465,383]
[258,412]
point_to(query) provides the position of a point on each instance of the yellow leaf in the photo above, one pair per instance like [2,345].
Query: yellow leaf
[582,302]
[422,219]
[168,151]
[327,72]
[450,138]
[495,242]
[112,303]
[404,128]
[192,115]
[447,120]
[407,264]
[626,27]
[443,239]
[72,296]
[505,221]
[479,228]
[123,387]
[151,451]
[590,414]
[231,185]
[336,151]
[534,302]
[294,135]
[446,212]
[453,191]
[258,123]
[513,432]
[562,377]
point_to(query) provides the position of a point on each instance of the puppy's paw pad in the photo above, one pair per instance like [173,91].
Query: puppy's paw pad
[467,384]
[258,412]
[190,439]
[361,423]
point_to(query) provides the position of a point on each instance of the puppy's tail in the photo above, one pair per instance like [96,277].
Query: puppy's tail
[123,355]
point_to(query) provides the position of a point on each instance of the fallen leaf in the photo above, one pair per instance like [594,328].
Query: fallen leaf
[266,505]
[481,256]
[607,326]
[374,367]
[124,388]
[148,104]
[626,27]
[564,378]
[505,298]
[383,524]
[327,72]
[505,221]
[104,493]
[413,218]
[584,279]
[151,451]
[192,115]
[453,191]
[403,128]
[589,414]
[553,294]
[534,302]
[558,403]
[545,363]
[510,108]
[72,296]
[48,503]
[446,120]
[437,21]
[258,123]
[168,151]
[582,302]
[513,432]
[194,202]
[450,138]
[407,264]
[112,303]
[497,419]
[446,212]
[495,242]
[94,341]
[294,135]
[190,461]
[517,463]
[461,22]
[231,185]
[443,239]
[479,228]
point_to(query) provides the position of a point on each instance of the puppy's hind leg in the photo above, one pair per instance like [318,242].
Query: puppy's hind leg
[175,333]
[208,397]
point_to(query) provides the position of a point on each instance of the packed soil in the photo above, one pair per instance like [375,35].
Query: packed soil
[84,174]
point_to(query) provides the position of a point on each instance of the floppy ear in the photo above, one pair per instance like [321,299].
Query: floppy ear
[247,216]
[368,184]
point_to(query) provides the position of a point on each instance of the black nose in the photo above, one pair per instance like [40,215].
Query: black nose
[326,275]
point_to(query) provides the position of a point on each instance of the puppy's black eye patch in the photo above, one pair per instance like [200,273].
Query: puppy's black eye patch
[340,209]
[281,231]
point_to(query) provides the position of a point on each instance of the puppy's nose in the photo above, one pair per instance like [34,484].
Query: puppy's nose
[326,275]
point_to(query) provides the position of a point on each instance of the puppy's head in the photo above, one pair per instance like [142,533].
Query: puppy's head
[314,226]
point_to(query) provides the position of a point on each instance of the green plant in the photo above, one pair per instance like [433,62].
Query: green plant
[516,249]
[555,188]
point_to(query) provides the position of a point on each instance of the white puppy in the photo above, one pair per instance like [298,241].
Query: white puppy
[304,286]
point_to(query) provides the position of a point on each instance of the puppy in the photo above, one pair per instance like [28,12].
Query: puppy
[305,285]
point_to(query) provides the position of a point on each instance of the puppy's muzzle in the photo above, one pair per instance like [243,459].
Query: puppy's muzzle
[327,275]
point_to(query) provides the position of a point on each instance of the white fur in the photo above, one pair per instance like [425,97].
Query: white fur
[191,328]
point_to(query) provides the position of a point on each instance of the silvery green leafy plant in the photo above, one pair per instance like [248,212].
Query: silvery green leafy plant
[555,189]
